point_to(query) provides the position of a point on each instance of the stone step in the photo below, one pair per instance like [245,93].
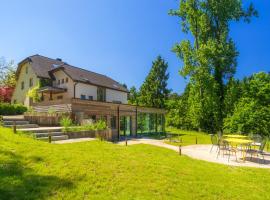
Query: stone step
[40,135]
[17,122]
[14,118]
[42,129]
[54,138]
[24,126]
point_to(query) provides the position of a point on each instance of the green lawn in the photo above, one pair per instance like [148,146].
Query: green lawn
[31,169]
[187,137]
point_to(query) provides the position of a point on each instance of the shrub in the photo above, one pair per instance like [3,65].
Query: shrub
[12,109]
[100,125]
[66,122]
[249,117]
[88,127]
[33,93]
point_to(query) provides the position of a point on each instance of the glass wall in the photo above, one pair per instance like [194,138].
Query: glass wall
[125,126]
[150,123]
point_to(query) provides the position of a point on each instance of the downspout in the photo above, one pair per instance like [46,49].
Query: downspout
[74,89]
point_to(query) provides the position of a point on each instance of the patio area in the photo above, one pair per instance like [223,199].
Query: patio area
[203,152]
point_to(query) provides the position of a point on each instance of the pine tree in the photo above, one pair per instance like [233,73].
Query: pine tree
[154,91]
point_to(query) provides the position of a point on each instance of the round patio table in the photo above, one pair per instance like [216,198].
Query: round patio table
[238,141]
[234,142]
[235,136]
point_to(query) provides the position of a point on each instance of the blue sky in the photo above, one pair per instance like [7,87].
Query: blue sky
[119,38]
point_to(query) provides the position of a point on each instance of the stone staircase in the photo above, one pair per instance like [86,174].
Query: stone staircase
[20,123]
[56,134]
[40,133]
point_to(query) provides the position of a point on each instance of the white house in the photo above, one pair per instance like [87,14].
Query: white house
[59,80]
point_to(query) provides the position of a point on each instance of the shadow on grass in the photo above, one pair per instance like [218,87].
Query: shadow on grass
[20,182]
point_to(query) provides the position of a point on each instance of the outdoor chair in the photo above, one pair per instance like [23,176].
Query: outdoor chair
[258,152]
[223,146]
[232,149]
[257,140]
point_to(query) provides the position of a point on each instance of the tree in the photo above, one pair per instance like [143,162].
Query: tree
[133,97]
[211,60]
[6,94]
[154,91]
[233,93]
[251,112]
[177,106]
[7,73]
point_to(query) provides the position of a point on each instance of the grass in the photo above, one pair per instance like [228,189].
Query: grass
[187,137]
[31,169]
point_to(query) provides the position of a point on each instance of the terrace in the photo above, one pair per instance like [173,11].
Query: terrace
[124,120]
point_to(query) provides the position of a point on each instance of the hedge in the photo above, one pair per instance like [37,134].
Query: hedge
[12,109]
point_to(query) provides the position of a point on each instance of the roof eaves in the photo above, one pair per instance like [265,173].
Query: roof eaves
[99,85]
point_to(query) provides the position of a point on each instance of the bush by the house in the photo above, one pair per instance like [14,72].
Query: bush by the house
[68,126]
[66,122]
[12,109]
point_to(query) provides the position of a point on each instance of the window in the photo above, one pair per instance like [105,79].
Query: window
[30,82]
[60,97]
[113,122]
[83,97]
[22,85]
[66,80]
[58,82]
[26,70]
[101,94]
[63,81]
[90,98]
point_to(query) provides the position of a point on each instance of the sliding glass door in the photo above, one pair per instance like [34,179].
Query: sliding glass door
[125,126]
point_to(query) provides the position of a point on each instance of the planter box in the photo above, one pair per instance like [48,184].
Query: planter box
[108,134]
